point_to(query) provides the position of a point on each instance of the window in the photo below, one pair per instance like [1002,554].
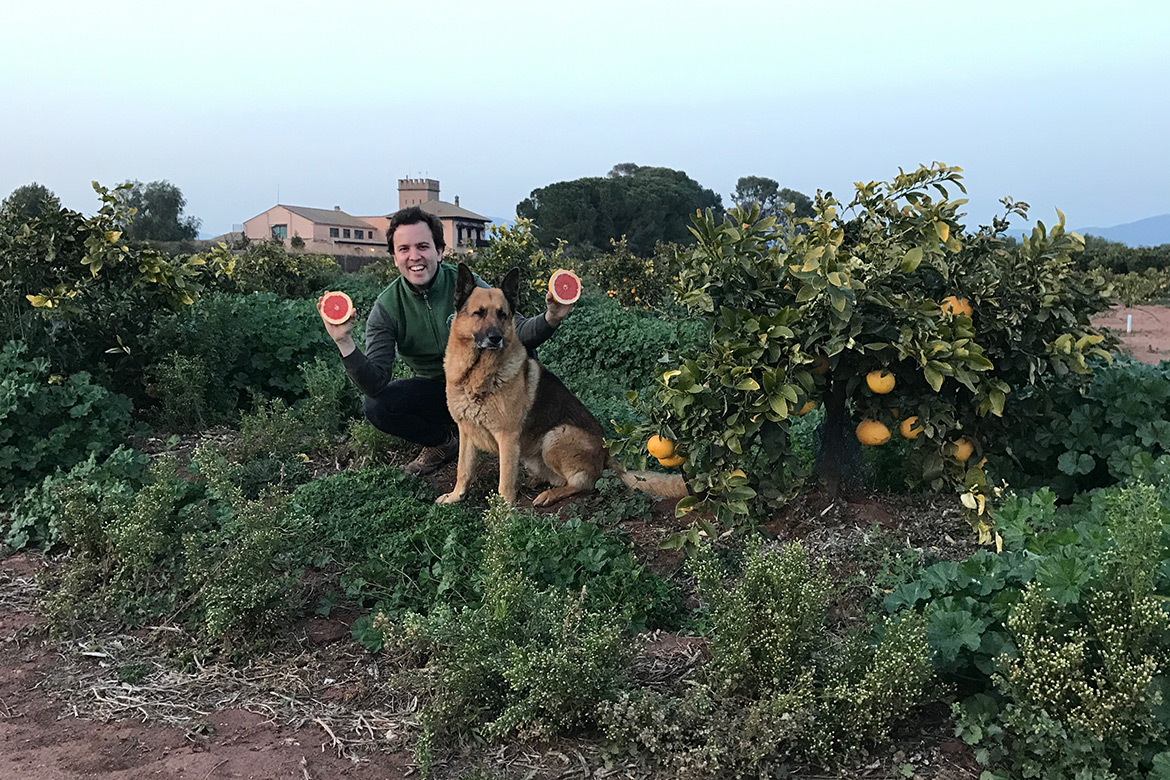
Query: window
[279,232]
[359,234]
[345,232]
[334,232]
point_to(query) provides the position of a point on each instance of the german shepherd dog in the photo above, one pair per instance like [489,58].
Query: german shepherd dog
[504,401]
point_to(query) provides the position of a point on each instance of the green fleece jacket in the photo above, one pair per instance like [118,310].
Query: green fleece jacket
[415,323]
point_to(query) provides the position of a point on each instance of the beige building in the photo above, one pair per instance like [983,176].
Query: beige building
[334,232]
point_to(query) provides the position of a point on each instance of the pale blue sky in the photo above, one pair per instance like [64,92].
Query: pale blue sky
[1060,104]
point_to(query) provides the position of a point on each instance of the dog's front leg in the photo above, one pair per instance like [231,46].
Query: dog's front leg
[509,446]
[465,471]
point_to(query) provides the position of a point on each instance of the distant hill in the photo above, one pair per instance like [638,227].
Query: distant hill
[1152,231]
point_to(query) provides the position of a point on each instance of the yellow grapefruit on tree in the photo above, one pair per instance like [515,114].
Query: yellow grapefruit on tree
[880,381]
[910,428]
[872,432]
[671,462]
[808,407]
[964,449]
[660,447]
[957,306]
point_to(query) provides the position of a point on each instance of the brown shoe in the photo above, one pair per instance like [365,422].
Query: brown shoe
[432,458]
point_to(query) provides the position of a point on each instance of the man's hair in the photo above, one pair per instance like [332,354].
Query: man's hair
[413,215]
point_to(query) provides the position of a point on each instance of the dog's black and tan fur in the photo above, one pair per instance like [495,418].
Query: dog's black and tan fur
[506,402]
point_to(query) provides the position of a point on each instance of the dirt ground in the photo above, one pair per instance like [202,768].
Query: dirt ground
[1149,338]
[62,717]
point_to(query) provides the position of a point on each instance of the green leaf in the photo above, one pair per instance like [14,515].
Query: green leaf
[748,384]
[933,378]
[911,260]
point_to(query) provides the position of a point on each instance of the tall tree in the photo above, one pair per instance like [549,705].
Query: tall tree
[159,215]
[770,197]
[29,202]
[643,203]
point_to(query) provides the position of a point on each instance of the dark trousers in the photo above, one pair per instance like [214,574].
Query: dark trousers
[414,409]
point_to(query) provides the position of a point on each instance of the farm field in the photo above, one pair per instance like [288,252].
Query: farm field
[927,528]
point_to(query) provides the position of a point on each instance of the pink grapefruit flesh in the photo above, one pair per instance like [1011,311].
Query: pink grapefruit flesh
[565,286]
[336,308]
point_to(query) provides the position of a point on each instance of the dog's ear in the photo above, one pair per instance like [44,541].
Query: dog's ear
[464,285]
[511,288]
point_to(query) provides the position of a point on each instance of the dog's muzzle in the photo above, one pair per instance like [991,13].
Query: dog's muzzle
[489,340]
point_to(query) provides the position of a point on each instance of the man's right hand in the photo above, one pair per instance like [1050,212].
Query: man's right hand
[342,334]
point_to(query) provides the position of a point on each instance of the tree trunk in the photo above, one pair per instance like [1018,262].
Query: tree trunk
[839,456]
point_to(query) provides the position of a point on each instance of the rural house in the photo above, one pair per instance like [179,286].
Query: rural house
[335,232]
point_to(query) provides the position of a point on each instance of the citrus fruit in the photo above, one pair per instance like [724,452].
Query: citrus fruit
[957,306]
[565,286]
[336,307]
[671,462]
[880,381]
[820,365]
[808,407]
[964,449]
[909,427]
[660,447]
[872,432]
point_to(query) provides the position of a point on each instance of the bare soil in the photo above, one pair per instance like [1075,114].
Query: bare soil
[1148,340]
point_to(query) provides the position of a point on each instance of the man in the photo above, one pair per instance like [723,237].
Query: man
[412,318]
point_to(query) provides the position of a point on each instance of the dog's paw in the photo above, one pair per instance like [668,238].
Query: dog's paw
[545,498]
[449,498]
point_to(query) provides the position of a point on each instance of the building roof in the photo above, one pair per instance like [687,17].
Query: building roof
[327,216]
[444,210]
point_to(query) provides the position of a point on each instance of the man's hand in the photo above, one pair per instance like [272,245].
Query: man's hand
[342,334]
[555,311]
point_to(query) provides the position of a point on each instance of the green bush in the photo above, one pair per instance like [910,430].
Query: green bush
[1083,692]
[1095,436]
[578,556]
[251,344]
[265,266]
[529,661]
[180,383]
[602,351]
[170,549]
[79,295]
[36,514]
[50,422]
[775,688]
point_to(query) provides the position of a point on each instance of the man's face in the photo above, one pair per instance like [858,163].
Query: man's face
[415,254]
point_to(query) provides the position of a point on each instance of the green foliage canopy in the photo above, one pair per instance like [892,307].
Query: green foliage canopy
[643,203]
[158,214]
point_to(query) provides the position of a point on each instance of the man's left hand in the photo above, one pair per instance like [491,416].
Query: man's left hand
[555,311]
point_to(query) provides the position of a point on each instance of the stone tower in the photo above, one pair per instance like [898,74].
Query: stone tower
[415,192]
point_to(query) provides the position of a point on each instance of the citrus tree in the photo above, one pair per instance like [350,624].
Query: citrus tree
[887,312]
[77,292]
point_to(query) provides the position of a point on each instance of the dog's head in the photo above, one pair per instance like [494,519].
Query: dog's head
[485,313]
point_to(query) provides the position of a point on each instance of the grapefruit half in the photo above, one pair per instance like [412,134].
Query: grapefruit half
[565,286]
[336,307]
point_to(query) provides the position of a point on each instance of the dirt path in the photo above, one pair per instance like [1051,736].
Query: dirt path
[42,739]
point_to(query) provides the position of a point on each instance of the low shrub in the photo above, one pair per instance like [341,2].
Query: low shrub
[1099,436]
[251,344]
[1082,690]
[528,661]
[36,514]
[265,266]
[50,422]
[171,549]
[602,351]
[775,688]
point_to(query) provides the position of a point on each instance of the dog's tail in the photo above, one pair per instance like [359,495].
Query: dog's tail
[668,485]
